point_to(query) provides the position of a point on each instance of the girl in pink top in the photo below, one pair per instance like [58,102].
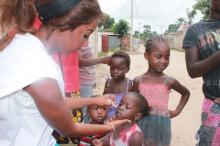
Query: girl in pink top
[133,106]
[155,86]
[70,68]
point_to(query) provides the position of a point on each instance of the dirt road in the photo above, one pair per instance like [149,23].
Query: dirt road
[186,124]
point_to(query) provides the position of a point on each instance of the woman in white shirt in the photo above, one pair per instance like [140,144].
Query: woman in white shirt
[31,84]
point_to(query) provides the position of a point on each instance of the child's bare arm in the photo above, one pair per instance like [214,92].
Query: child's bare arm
[136,139]
[93,61]
[135,84]
[175,85]
[197,67]
[105,88]
[130,85]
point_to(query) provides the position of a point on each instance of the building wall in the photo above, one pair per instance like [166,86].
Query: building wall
[175,40]
[113,41]
[95,41]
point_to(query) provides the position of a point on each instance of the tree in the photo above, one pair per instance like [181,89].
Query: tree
[107,22]
[137,34]
[174,27]
[203,7]
[190,14]
[154,33]
[147,28]
[121,28]
[180,21]
[148,33]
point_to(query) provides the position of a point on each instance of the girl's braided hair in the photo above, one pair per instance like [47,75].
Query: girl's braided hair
[152,42]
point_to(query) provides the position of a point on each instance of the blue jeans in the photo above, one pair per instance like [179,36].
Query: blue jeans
[86,91]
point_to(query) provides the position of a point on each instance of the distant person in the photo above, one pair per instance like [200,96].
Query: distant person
[202,45]
[98,115]
[118,84]
[132,106]
[155,86]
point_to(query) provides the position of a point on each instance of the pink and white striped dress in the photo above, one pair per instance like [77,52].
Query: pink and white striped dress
[124,136]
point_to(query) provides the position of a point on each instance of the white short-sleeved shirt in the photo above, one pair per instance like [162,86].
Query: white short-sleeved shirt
[23,62]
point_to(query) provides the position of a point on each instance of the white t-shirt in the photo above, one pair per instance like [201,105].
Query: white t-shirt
[23,62]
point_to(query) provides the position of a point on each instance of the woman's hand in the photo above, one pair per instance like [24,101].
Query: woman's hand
[105,100]
[117,123]
[105,60]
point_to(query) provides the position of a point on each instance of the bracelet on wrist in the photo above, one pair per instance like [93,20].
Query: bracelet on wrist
[113,127]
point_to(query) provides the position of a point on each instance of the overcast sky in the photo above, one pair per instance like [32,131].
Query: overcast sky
[157,13]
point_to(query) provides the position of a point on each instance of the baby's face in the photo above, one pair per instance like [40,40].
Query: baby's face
[127,109]
[98,114]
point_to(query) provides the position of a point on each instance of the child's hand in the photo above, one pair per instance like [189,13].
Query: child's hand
[105,100]
[96,142]
[173,113]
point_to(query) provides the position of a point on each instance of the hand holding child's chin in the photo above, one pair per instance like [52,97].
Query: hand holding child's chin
[116,123]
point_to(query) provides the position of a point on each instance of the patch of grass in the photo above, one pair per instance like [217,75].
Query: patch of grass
[110,51]
[114,49]
[101,54]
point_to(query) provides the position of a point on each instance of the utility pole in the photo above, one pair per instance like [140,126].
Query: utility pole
[161,29]
[131,25]
[139,26]
[139,29]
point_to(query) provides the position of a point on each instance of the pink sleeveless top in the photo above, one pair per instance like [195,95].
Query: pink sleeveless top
[157,95]
[70,67]
[124,136]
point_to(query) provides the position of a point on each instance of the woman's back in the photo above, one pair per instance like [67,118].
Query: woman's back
[20,116]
